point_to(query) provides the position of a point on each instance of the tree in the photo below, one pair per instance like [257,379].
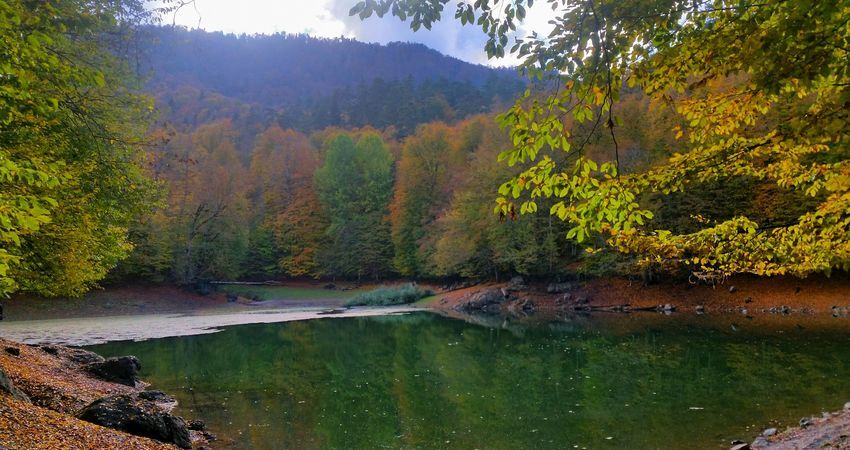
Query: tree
[762,90]
[354,186]
[71,129]
[428,159]
[287,222]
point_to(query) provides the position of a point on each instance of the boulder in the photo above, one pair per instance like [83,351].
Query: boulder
[136,415]
[517,283]
[122,369]
[162,400]
[81,356]
[483,299]
[50,350]
[557,288]
[7,386]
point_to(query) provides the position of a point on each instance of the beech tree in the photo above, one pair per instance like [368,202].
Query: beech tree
[762,90]
[354,186]
[71,129]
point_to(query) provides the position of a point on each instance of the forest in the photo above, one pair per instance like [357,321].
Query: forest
[235,164]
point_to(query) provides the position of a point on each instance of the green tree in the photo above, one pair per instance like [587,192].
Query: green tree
[354,186]
[782,119]
[71,125]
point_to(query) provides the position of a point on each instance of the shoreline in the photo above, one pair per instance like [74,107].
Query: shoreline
[53,397]
[745,295]
[97,330]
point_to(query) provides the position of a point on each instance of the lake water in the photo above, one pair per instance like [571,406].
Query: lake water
[425,381]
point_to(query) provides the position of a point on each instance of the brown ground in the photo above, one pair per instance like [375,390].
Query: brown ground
[135,299]
[113,301]
[831,431]
[58,390]
[816,294]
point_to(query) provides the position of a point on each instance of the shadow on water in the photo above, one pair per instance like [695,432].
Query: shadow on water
[427,381]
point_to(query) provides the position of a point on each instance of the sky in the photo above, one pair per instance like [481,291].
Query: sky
[329,18]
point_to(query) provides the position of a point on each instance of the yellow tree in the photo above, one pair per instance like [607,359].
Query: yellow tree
[784,120]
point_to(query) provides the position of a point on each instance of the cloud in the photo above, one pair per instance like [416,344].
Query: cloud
[329,18]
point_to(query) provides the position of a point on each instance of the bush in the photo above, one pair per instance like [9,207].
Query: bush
[386,296]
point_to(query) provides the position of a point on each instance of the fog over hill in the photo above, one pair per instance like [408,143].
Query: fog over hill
[279,70]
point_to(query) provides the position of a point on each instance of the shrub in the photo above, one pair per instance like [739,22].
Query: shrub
[389,295]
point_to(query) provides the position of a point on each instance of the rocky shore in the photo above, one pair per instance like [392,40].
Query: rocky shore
[742,295]
[828,431]
[61,397]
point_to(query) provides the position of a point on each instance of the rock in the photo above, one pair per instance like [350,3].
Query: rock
[769,432]
[81,356]
[738,445]
[7,386]
[557,288]
[50,350]
[14,351]
[330,286]
[806,422]
[231,298]
[748,300]
[582,300]
[162,400]
[197,425]
[760,442]
[667,307]
[732,289]
[700,309]
[483,299]
[847,406]
[517,283]
[122,369]
[135,415]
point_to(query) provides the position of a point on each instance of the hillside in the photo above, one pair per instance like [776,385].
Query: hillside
[297,81]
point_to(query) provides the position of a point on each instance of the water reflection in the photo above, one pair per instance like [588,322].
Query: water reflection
[425,381]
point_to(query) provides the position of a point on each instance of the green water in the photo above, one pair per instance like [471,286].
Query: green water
[424,381]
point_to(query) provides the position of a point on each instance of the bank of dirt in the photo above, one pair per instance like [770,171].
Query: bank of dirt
[55,388]
[741,294]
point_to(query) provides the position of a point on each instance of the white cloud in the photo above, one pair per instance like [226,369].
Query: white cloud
[329,18]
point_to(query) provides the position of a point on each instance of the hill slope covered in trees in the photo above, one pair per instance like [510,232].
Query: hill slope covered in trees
[305,83]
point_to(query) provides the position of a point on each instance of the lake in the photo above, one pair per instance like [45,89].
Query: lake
[422,380]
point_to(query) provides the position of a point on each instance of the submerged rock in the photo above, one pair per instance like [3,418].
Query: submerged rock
[122,369]
[139,416]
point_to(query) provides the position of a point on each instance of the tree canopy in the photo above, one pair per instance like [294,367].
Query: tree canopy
[71,125]
[761,90]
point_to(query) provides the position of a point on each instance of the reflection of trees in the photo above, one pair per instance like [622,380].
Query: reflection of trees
[421,380]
